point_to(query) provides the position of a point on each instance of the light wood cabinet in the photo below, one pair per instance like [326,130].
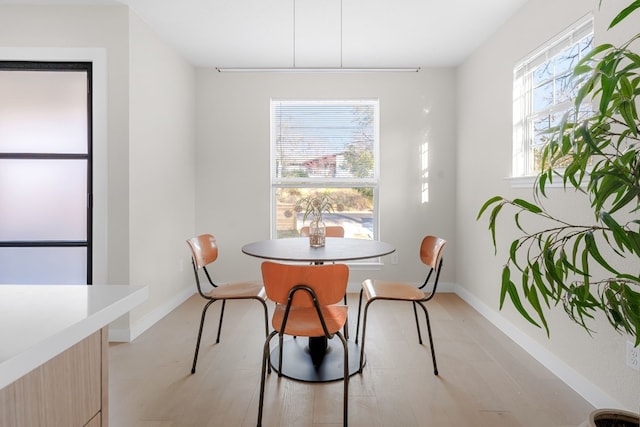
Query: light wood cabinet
[69,390]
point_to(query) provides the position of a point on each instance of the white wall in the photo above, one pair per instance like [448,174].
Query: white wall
[233,160]
[595,366]
[161,173]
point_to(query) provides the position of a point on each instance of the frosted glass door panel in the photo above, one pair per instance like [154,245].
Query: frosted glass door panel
[43,266]
[45,172]
[43,112]
[43,199]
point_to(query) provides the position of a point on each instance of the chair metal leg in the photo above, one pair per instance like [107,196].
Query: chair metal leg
[346,324]
[266,327]
[280,345]
[224,302]
[364,331]
[433,352]
[266,318]
[345,399]
[265,360]
[195,355]
[415,313]
[358,322]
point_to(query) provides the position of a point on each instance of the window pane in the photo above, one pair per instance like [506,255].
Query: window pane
[567,59]
[565,90]
[43,112]
[543,96]
[543,73]
[542,83]
[43,199]
[43,266]
[320,140]
[540,127]
[325,146]
[541,137]
[353,210]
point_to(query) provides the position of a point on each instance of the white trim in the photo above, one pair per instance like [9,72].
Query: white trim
[585,388]
[529,181]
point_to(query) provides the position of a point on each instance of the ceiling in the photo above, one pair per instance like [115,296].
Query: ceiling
[318,33]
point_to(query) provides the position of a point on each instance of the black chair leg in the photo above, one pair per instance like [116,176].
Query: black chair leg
[265,361]
[415,313]
[433,352]
[280,345]
[346,325]
[364,332]
[266,327]
[224,302]
[358,322]
[195,355]
[345,399]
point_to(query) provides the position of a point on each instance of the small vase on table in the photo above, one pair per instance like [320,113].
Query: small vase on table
[317,232]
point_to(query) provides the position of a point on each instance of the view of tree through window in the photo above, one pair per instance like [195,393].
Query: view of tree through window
[543,93]
[325,147]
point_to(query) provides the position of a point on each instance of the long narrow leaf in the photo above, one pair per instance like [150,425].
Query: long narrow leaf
[506,280]
[527,205]
[619,234]
[532,297]
[487,204]
[592,247]
[625,12]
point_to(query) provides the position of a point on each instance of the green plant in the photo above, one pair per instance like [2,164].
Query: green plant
[315,204]
[593,267]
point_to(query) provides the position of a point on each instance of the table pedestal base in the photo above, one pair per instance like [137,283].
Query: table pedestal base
[298,365]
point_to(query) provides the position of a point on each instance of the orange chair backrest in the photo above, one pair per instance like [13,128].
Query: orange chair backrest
[330,231]
[204,249]
[431,250]
[329,282]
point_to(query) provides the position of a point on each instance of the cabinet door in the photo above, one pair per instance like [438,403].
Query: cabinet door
[95,421]
[66,391]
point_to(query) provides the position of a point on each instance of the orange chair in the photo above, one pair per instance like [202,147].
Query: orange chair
[204,251]
[431,255]
[330,231]
[306,298]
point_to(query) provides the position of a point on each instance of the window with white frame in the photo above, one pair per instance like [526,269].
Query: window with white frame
[329,147]
[543,93]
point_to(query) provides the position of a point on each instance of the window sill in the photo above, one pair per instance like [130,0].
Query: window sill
[365,266]
[529,181]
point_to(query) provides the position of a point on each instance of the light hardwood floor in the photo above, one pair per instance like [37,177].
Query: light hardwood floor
[485,379]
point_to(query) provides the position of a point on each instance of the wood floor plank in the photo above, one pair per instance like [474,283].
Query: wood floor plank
[485,379]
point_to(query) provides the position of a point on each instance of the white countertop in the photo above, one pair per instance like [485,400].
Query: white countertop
[38,322]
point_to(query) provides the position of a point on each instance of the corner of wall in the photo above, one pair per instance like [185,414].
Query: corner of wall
[141,325]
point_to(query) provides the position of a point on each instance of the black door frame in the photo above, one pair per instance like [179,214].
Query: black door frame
[62,66]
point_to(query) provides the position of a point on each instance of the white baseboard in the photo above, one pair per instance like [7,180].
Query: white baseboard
[147,321]
[585,388]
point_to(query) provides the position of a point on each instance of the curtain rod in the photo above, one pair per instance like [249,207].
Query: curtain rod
[316,70]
